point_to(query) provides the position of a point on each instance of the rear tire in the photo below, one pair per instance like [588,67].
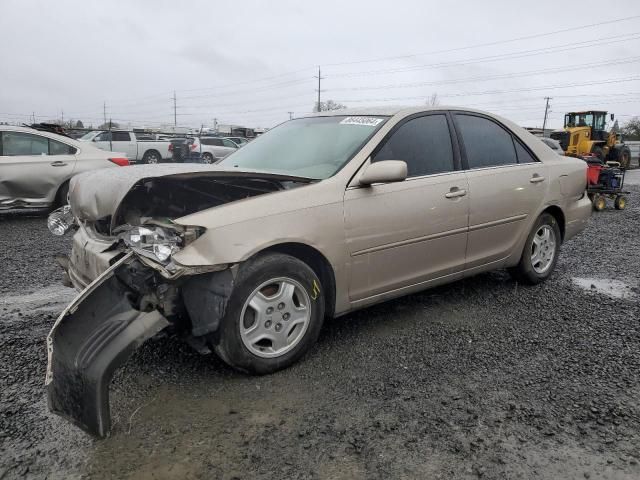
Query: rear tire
[264,328]
[540,253]
[599,202]
[624,157]
[62,197]
[207,158]
[620,202]
[151,157]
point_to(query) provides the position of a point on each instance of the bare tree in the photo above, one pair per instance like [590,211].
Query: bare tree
[328,106]
[433,100]
[631,129]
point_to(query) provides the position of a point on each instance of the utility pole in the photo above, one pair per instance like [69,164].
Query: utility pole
[104,112]
[62,115]
[33,117]
[290,115]
[175,114]
[546,112]
[319,77]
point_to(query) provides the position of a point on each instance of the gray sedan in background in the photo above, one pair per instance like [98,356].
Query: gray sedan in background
[35,166]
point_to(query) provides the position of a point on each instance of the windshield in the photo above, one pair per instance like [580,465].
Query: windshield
[315,147]
[88,136]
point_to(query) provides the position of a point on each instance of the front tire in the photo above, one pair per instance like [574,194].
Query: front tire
[273,317]
[540,253]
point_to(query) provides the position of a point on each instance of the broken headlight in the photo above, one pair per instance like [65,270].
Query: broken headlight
[61,220]
[157,243]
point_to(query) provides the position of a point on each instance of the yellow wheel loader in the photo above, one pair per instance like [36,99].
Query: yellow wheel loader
[584,133]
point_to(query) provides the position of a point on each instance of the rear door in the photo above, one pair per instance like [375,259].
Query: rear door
[408,233]
[507,185]
[32,168]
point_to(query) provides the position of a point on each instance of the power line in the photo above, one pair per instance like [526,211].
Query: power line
[487,44]
[503,56]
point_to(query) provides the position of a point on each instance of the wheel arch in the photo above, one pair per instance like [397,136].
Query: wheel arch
[558,214]
[317,262]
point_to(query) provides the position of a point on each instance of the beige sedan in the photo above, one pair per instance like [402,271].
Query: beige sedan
[318,217]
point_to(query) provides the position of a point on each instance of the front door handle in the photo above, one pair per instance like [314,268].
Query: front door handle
[536,178]
[455,192]
[58,163]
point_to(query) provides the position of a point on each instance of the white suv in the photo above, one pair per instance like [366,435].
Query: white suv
[213,149]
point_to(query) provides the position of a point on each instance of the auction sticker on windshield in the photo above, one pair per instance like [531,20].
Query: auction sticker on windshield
[366,121]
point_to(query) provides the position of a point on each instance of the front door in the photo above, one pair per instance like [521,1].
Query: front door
[407,233]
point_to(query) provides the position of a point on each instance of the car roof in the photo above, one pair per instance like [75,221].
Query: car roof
[33,131]
[390,111]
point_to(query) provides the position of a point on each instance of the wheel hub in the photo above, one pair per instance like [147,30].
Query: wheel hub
[275,317]
[543,249]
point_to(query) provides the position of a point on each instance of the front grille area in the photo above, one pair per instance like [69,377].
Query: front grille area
[563,138]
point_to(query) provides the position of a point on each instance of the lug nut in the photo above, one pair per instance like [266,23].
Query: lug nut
[280,306]
[286,316]
[269,310]
[278,327]
[267,324]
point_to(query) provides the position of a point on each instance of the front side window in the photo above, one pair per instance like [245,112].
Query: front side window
[103,137]
[121,137]
[16,143]
[486,143]
[314,147]
[423,143]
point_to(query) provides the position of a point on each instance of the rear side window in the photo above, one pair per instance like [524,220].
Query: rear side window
[211,141]
[486,143]
[229,143]
[523,154]
[423,143]
[121,137]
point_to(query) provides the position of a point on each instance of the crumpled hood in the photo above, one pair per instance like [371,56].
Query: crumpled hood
[98,193]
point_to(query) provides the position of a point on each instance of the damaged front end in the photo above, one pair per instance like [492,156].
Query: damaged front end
[128,304]
[123,259]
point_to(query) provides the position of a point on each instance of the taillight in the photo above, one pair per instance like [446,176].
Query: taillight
[171,147]
[193,146]
[120,161]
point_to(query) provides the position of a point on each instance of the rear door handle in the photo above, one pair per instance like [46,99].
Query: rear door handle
[536,178]
[58,163]
[455,192]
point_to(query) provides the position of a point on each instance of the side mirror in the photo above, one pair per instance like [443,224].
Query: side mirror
[612,116]
[385,171]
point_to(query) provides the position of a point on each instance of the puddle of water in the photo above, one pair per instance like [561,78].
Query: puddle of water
[605,286]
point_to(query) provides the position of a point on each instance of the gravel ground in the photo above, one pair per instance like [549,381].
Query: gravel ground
[482,378]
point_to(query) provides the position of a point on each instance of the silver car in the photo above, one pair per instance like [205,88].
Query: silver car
[35,166]
[318,217]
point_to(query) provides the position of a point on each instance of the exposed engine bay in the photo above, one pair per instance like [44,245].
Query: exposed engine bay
[174,197]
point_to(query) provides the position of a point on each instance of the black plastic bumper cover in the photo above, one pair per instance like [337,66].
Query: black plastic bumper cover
[95,335]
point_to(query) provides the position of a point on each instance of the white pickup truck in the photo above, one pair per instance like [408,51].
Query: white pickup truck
[145,151]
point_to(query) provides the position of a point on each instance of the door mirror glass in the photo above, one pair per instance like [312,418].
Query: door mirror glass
[384,171]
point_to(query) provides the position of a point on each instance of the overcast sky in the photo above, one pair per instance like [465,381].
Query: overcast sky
[252,62]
